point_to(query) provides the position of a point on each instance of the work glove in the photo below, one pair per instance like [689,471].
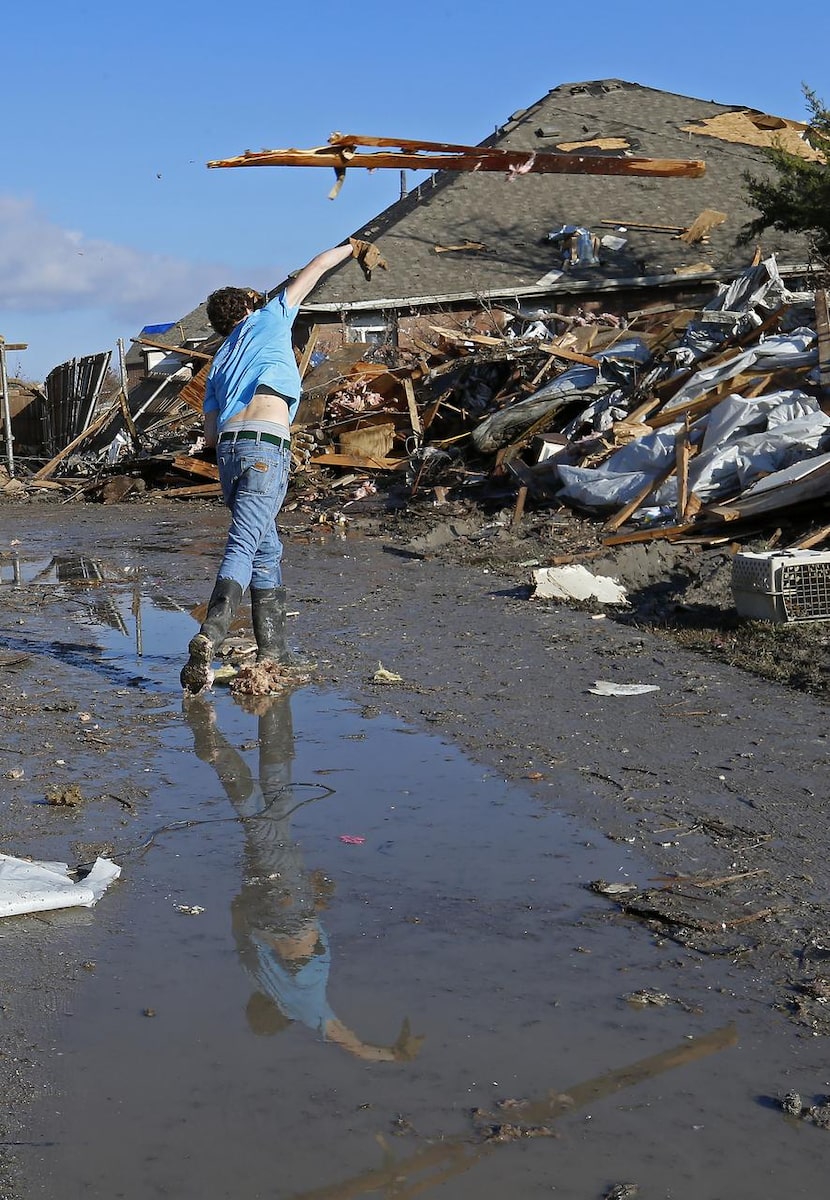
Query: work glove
[408,1045]
[368,256]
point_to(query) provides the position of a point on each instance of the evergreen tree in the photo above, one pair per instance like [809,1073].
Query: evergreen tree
[798,199]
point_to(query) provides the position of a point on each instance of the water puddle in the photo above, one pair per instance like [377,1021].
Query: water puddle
[345,960]
[124,617]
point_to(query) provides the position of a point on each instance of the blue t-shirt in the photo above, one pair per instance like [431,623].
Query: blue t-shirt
[299,995]
[257,352]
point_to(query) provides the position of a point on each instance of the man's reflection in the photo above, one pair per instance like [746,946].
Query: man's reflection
[283,946]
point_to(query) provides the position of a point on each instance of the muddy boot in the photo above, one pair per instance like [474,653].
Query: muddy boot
[197,673]
[268,616]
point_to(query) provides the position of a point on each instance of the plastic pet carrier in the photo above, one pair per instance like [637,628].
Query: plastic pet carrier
[782,585]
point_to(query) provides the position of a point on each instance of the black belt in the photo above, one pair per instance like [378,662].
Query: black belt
[255,436]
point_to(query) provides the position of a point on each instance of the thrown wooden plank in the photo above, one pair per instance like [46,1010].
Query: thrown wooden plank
[372,440]
[749,336]
[692,507]
[669,330]
[542,425]
[540,374]
[431,411]
[342,153]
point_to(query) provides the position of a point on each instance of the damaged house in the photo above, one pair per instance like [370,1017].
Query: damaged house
[564,337]
[467,246]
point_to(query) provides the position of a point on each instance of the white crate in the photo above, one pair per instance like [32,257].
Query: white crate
[782,585]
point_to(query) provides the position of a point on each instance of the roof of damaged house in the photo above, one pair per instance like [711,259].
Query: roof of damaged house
[506,223]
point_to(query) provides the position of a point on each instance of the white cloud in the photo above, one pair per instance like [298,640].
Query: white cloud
[47,269]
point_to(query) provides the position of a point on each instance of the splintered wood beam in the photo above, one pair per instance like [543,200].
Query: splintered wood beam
[196,466]
[398,153]
[414,416]
[682,455]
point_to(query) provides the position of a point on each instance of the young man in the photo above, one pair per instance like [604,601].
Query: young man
[251,398]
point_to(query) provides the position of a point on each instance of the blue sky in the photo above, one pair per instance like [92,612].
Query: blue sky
[110,220]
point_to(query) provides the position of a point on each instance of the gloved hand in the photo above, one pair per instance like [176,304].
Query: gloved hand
[408,1045]
[367,255]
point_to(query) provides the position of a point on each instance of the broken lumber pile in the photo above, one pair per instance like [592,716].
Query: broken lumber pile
[664,422]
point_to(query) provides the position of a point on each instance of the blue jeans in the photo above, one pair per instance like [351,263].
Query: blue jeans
[254,479]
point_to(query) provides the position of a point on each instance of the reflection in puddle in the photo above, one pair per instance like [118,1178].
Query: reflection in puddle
[318,874]
[107,599]
[435,1164]
[277,917]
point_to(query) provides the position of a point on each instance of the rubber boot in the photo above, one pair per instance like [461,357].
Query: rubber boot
[268,617]
[197,673]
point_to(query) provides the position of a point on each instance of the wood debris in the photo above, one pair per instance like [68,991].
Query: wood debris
[608,413]
[347,151]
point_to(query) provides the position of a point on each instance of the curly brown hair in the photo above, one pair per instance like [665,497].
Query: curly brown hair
[229,305]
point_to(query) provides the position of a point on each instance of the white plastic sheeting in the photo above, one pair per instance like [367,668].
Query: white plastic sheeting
[759,286]
[606,687]
[738,307]
[796,349]
[28,887]
[741,440]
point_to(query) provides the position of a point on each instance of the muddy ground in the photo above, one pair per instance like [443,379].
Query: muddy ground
[716,782]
